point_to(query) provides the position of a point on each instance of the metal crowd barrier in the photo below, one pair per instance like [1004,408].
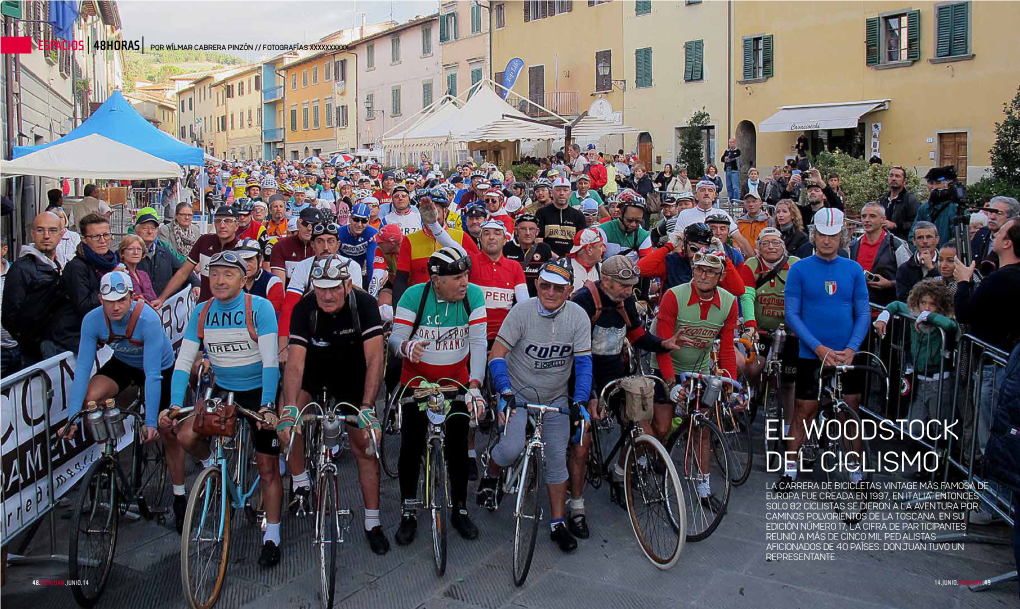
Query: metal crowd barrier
[970,374]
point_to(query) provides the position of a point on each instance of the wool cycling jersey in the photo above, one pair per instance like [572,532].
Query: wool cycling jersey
[501,282]
[416,248]
[769,298]
[288,252]
[270,287]
[153,355]
[531,260]
[300,283]
[239,363]
[408,222]
[635,245]
[360,248]
[704,321]
[455,345]
[827,304]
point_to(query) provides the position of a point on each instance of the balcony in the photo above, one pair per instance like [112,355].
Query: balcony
[272,94]
[564,103]
[272,135]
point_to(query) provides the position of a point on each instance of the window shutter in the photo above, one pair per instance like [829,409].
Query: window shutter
[642,7]
[453,26]
[527,11]
[943,30]
[644,67]
[766,52]
[748,60]
[568,6]
[699,59]
[689,61]
[871,41]
[543,11]
[591,2]
[914,35]
[442,29]
[960,29]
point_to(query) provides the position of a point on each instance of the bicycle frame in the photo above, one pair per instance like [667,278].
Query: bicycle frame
[634,430]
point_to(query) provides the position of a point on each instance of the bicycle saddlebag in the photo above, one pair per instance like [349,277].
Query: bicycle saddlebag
[219,421]
[638,401]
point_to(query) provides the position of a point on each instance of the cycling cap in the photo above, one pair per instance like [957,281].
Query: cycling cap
[115,285]
[448,261]
[361,210]
[331,271]
[476,210]
[557,271]
[526,218]
[710,257]
[698,233]
[269,182]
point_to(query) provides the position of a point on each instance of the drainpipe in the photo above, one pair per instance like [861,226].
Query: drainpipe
[9,93]
[729,69]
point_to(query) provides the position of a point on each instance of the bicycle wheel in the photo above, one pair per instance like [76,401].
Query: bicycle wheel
[654,501]
[773,436]
[844,463]
[594,475]
[527,514]
[205,544]
[244,472]
[327,517]
[437,501]
[735,427]
[94,532]
[389,439]
[699,489]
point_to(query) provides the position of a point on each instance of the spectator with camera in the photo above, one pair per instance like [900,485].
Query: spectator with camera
[943,199]
[998,211]
[900,205]
[880,253]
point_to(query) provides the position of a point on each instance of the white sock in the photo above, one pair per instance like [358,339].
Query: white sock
[301,480]
[617,472]
[472,453]
[371,519]
[791,469]
[272,533]
[576,505]
[180,490]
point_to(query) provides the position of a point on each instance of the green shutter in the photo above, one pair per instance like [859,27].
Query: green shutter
[766,52]
[689,61]
[960,29]
[914,35]
[642,7]
[443,34]
[453,27]
[748,59]
[451,84]
[944,31]
[644,67]
[699,59]
[871,41]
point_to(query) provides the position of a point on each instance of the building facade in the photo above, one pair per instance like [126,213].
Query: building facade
[243,92]
[187,122]
[273,130]
[397,73]
[918,85]
[308,106]
[464,42]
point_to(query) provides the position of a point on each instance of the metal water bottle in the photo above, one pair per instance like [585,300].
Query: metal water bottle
[780,340]
[95,423]
[114,419]
[330,432]
[713,386]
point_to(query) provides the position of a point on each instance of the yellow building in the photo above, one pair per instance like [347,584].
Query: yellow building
[309,106]
[244,113]
[563,45]
[919,85]
[674,64]
[463,40]
[344,115]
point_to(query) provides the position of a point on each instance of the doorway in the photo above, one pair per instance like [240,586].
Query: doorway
[644,149]
[953,151]
[747,143]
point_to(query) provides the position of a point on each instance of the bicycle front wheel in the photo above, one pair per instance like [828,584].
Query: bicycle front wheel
[702,462]
[150,477]
[389,439]
[735,427]
[527,513]
[328,516]
[843,461]
[654,501]
[774,444]
[94,532]
[205,542]
[437,500]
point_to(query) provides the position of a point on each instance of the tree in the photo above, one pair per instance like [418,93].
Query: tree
[1005,151]
[692,147]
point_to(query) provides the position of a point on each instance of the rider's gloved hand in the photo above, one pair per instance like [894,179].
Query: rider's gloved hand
[289,418]
[478,403]
[366,419]
[578,413]
[506,402]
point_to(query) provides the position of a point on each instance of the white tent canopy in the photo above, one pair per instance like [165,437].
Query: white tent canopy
[93,157]
[511,130]
[595,127]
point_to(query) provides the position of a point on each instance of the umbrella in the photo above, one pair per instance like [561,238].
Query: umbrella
[314,160]
[341,158]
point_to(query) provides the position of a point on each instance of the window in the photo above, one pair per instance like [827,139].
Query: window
[476,77]
[694,60]
[327,71]
[952,30]
[370,57]
[893,38]
[231,122]
[340,69]
[182,105]
[315,75]
[369,106]
[191,106]
[499,14]
[240,88]
[426,94]
[757,57]
[343,115]
[258,83]
[448,27]
[643,67]
[258,116]
[603,70]
[249,117]
[540,9]
[597,2]
[304,78]
[476,18]
[426,40]
[451,84]
[315,115]
[184,132]
[293,81]
[304,117]
[642,7]
[230,91]
[395,106]
[395,49]
[329,113]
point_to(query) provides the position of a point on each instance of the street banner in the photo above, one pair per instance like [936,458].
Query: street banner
[510,75]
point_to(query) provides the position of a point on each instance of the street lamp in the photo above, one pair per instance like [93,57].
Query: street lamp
[603,69]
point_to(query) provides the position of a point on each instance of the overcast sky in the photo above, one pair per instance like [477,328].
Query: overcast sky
[281,22]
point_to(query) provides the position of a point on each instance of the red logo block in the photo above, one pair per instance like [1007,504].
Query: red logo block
[15,44]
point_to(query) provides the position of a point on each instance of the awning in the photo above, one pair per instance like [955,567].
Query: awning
[820,116]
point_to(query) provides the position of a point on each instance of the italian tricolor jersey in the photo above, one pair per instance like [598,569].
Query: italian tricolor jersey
[445,327]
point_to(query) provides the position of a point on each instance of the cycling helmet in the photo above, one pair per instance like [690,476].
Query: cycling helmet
[717,217]
[247,248]
[438,196]
[629,198]
[698,233]
[244,205]
[448,261]
[520,185]
[496,184]
[269,182]
[476,210]
[557,271]
[526,218]
[543,183]
[361,210]
[361,193]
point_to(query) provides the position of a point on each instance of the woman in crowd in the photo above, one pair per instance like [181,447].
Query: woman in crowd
[680,182]
[641,181]
[789,222]
[664,178]
[131,251]
[712,173]
[181,233]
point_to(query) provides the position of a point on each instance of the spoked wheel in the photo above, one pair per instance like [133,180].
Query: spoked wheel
[149,475]
[310,434]
[654,501]
[594,474]
[437,502]
[327,517]
[94,532]
[527,513]
[205,544]
[844,463]
[389,440]
[704,479]
[735,426]
[245,472]
[774,444]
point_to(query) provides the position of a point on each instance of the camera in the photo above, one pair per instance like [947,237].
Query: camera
[870,276]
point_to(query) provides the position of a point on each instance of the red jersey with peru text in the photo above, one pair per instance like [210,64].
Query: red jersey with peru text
[500,282]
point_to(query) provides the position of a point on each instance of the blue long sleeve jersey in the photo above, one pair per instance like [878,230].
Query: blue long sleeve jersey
[827,304]
[154,355]
[360,249]
[239,363]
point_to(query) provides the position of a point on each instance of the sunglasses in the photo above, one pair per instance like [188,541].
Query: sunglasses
[358,220]
[120,287]
[545,286]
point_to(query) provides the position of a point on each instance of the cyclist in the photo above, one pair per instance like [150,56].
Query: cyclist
[611,323]
[827,308]
[493,200]
[246,227]
[719,222]
[357,242]
[207,246]
[526,250]
[337,322]
[540,344]
[142,355]
[385,268]
[259,281]
[439,332]
[402,214]
[294,249]
[238,333]
[543,194]
[474,215]
[586,255]
[697,312]
[672,262]
[417,247]
[625,235]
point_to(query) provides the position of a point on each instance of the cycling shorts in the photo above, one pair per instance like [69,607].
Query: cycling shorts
[265,440]
[319,376]
[123,375]
[807,380]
